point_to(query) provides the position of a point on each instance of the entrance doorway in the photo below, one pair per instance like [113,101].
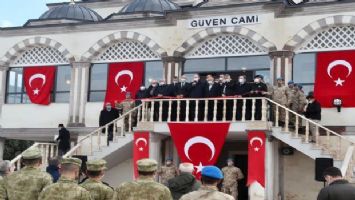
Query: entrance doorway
[241,161]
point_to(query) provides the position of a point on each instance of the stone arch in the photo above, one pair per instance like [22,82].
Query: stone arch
[22,46]
[105,42]
[209,32]
[315,27]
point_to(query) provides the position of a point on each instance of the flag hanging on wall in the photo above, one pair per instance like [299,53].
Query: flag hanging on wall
[256,157]
[39,83]
[140,149]
[123,78]
[334,78]
[199,143]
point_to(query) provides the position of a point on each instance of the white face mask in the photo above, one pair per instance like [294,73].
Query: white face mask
[228,80]
[162,83]
[142,88]
[183,80]
[154,85]
[210,82]
[196,79]
[241,80]
[108,108]
[257,80]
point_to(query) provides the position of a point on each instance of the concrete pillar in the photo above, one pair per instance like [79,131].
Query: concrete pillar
[78,93]
[281,65]
[155,147]
[172,67]
[3,74]
[272,168]
[2,147]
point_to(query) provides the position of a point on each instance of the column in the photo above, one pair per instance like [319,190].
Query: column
[281,65]
[2,147]
[3,73]
[272,168]
[172,67]
[78,93]
[155,146]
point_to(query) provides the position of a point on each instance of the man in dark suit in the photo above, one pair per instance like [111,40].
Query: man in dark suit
[228,90]
[182,91]
[152,93]
[141,94]
[258,89]
[242,89]
[64,140]
[212,90]
[197,91]
[107,115]
[162,92]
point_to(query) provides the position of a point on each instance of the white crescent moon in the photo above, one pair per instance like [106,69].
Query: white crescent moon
[34,76]
[339,62]
[196,140]
[124,72]
[256,139]
[143,140]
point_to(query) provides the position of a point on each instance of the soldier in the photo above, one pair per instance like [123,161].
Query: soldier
[144,188]
[232,175]
[6,169]
[293,100]
[168,171]
[211,177]
[125,106]
[98,190]
[27,183]
[302,99]
[67,187]
[280,95]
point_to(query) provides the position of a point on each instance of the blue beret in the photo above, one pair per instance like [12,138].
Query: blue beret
[280,78]
[212,172]
[290,82]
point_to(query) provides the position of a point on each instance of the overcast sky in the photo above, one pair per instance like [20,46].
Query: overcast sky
[17,12]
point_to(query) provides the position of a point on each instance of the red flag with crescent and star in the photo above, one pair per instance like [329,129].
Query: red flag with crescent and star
[199,143]
[140,149]
[334,78]
[256,157]
[39,83]
[123,78]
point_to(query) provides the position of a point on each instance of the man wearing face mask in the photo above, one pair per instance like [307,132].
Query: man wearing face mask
[197,91]
[228,90]
[172,93]
[242,89]
[182,91]
[212,90]
[313,111]
[232,175]
[280,95]
[63,140]
[141,94]
[258,89]
[67,187]
[151,89]
[107,115]
[162,92]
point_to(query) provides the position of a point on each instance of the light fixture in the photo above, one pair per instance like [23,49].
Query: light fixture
[338,103]
[295,2]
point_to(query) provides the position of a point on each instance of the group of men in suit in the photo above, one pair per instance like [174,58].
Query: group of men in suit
[211,87]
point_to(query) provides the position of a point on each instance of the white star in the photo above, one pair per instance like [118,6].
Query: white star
[199,167]
[36,91]
[124,89]
[339,82]
[141,149]
[256,149]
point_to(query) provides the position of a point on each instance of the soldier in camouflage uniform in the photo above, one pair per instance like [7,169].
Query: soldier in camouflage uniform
[294,97]
[67,187]
[124,107]
[280,95]
[27,183]
[211,177]
[144,188]
[95,172]
[168,171]
[302,99]
[232,175]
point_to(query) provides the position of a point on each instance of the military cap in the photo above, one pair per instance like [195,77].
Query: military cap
[71,160]
[96,165]
[169,159]
[280,79]
[147,165]
[290,82]
[230,159]
[212,172]
[259,76]
[32,153]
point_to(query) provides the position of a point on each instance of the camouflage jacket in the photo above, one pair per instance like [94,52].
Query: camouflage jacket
[26,184]
[65,189]
[207,193]
[98,190]
[167,173]
[231,175]
[143,189]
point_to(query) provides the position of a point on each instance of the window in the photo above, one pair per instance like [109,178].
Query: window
[248,63]
[153,70]
[16,93]
[304,69]
[205,65]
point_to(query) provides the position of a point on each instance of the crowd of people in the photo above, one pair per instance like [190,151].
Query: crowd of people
[30,183]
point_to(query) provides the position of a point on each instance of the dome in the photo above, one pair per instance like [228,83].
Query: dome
[71,11]
[149,6]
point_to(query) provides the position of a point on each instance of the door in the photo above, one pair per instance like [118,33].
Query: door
[241,161]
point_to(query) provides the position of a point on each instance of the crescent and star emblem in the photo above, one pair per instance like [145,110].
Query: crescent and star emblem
[256,139]
[339,81]
[121,73]
[36,76]
[199,140]
[141,140]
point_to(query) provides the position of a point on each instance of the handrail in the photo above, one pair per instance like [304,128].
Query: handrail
[17,158]
[347,160]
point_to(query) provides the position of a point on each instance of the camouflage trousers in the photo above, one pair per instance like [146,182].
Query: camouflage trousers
[282,113]
[231,190]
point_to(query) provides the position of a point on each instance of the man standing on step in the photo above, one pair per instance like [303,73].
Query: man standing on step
[125,106]
[168,171]
[107,115]
[232,175]
[95,172]
[27,183]
[67,187]
[64,140]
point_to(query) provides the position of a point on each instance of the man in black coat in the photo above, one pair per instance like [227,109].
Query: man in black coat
[182,91]
[162,92]
[152,93]
[228,90]
[242,89]
[107,115]
[338,188]
[197,89]
[172,93]
[212,90]
[313,111]
[64,140]
[141,94]
[258,89]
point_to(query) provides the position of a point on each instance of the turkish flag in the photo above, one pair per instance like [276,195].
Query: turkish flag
[140,149]
[334,78]
[199,143]
[123,78]
[38,83]
[256,157]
